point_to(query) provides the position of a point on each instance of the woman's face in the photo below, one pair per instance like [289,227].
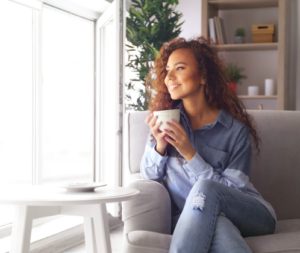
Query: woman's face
[183,79]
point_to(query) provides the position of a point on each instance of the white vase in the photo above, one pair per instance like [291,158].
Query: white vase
[253,90]
[269,87]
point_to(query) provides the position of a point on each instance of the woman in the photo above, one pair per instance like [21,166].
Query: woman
[204,161]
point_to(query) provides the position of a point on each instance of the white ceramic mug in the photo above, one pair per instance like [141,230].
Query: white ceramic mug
[167,115]
[269,87]
[253,90]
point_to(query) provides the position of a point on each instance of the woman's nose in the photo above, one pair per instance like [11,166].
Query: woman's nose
[170,75]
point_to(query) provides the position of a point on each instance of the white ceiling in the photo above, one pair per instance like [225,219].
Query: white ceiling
[90,9]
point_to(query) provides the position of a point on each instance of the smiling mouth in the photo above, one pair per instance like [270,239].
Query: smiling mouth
[173,87]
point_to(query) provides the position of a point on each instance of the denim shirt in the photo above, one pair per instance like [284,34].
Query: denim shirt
[223,154]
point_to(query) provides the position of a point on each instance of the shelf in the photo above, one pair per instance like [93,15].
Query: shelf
[248,46]
[260,11]
[258,97]
[242,4]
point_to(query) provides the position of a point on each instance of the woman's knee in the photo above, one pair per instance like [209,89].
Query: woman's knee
[223,224]
[202,190]
[203,185]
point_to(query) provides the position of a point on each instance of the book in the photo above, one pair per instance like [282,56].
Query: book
[217,29]
[220,30]
[212,31]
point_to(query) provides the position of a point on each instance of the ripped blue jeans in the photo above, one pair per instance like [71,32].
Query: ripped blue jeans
[215,219]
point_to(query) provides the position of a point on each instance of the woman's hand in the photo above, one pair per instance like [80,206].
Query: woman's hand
[158,135]
[180,140]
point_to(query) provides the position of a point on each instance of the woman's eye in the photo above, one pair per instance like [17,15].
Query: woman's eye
[167,71]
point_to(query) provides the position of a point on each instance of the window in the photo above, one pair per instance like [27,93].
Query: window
[15,93]
[51,101]
[15,98]
[68,98]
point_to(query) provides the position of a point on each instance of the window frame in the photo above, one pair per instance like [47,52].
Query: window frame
[37,70]
[36,179]
[38,174]
[116,13]
[37,110]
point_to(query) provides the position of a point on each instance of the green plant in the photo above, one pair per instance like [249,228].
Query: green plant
[149,25]
[234,73]
[240,32]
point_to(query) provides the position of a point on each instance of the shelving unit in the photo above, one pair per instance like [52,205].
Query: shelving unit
[242,4]
[248,47]
[211,8]
[258,97]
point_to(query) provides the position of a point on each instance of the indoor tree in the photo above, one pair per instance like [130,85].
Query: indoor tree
[150,24]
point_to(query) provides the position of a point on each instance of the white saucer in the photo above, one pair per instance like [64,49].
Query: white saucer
[82,187]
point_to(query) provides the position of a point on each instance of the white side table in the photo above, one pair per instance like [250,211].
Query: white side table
[34,202]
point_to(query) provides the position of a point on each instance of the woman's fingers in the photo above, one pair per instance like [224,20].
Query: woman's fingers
[172,142]
[177,124]
[171,134]
[176,127]
[156,127]
[153,121]
[148,118]
[157,132]
[173,128]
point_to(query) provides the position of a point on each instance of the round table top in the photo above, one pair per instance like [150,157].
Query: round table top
[56,196]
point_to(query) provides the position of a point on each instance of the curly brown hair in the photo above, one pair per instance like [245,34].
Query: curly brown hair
[211,67]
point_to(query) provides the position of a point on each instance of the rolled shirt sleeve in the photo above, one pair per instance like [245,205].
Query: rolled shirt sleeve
[153,165]
[236,173]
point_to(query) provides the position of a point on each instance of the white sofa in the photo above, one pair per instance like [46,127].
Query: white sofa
[276,175]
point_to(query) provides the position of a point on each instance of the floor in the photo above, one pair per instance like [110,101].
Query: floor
[116,237]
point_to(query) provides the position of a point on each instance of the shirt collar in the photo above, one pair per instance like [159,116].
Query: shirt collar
[224,117]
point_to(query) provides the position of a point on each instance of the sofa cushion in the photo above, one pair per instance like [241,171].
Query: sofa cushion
[138,132]
[276,172]
[147,242]
[286,239]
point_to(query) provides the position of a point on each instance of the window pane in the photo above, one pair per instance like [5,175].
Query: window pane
[15,98]
[15,93]
[68,98]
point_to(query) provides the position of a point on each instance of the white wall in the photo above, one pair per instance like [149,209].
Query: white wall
[191,10]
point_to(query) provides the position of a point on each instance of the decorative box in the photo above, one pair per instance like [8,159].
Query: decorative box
[263,33]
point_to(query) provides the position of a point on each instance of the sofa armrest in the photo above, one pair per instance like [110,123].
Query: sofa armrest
[150,210]
[131,178]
